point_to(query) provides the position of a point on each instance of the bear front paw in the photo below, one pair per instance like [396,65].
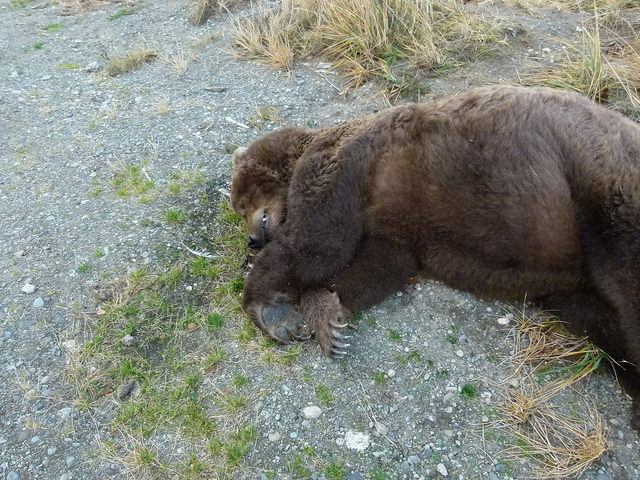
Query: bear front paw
[281,321]
[326,317]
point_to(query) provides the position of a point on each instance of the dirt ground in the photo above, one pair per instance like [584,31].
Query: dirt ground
[124,355]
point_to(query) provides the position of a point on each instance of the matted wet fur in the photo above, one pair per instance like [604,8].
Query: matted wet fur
[502,191]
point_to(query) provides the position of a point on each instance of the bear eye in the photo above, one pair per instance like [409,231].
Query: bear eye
[264,218]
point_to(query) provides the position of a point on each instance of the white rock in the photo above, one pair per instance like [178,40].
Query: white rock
[356,440]
[275,436]
[460,353]
[312,411]
[503,321]
[28,288]
[448,397]
[442,470]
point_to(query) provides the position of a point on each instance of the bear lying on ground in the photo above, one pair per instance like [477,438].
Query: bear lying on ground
[506,192]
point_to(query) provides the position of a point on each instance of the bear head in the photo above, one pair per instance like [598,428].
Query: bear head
[260,181]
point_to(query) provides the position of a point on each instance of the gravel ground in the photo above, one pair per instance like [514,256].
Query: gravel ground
[394,406]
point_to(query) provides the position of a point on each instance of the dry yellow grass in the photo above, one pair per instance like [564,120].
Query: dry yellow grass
[129,61]
[367,38]
[599,69]
[559,445]
[73,7]
[548,361]
[201,10]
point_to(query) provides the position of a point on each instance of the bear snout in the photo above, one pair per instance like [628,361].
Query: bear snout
[255,242]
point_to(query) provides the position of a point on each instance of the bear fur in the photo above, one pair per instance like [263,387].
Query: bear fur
[506,192]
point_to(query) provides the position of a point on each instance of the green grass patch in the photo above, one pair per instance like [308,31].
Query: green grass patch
[120,13]
[469,391]
[174,216]
[131,180]
[335,470]
[53,28]
[325,394]
[155,329]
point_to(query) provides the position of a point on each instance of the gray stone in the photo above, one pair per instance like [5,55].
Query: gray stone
[13,476]
[442,470]
[414,460]
[70,461]
[128,340]
[38,303]
[51,450]
[498,467]
[28,288]
[602,475]
[275,436]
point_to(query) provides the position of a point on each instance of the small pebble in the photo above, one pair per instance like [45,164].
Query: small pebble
[293,434]
[28,288]
[35,439]
[51,450]
[71,461]
[460,353]
[442,470]
[414,460]
[499,467]
[448,397]
[503,321]
[38,302]
[128,340]
[13,476]
[275,436]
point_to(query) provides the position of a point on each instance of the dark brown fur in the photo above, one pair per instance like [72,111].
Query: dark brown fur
[505,192]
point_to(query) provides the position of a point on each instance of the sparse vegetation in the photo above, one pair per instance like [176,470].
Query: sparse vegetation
[148,334]
[598,73]
[129,61]
[201,10]
[131,180]
[559,445]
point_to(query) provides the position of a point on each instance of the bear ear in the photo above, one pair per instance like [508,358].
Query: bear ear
[238,158]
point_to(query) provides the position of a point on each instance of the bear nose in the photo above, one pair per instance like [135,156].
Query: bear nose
[254,242]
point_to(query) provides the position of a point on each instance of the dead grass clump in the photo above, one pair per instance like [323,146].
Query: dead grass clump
[560,446]
[368,38]
[548,361]
[201,10]
[74,7]
[599,70]
[129,61]
[464,36]
[362,38]
[179,61]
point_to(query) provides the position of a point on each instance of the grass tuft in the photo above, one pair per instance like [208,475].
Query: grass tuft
[129,61]
[549,361]
[367,39]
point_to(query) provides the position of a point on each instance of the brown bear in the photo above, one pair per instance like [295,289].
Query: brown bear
[506,192]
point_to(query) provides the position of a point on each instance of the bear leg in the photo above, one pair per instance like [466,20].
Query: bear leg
[378,269]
